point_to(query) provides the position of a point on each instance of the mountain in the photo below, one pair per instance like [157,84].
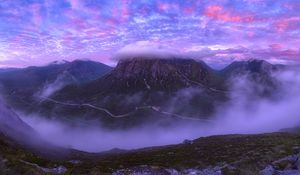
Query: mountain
[159,90]
[135,92]
[259,75]
[80,71]
[2,70]
[21,85]
[251,66]
[85,71]
[139,74]
[147,87]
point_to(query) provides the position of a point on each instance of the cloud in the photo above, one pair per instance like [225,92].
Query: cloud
[287,24]
[35,33]
[219,13]
[146,49]
[61,81]
[92,138]
[274,54]
[248,113]
[217,56]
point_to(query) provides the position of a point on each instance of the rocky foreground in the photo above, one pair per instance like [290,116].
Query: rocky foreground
[266,154]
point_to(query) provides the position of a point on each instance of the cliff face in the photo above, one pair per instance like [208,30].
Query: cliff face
[159,74]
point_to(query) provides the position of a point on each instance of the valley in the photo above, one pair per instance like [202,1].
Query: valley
[134,96]
[149,87]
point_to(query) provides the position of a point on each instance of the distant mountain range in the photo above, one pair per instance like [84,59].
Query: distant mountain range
[21,86]
[152,88]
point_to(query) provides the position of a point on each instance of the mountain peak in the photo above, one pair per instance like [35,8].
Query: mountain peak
[157,66]
[158,74]
[59,62]
[254,60]
[259,65]
[250,66]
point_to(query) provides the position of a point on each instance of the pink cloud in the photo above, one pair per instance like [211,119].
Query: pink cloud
[78,7]
[166,6]
[121,13]
[292,5]
[143,11]
[219,13]
[285,24]
[163,6]
[36,16]
[250,34]
[291,53]
[188,10]
[273,52]
[75,4]
[276,46]
[281,26]
[111,22]
[79,24]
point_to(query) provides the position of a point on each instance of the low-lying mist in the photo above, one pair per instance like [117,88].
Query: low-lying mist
[245,113]
[92,138]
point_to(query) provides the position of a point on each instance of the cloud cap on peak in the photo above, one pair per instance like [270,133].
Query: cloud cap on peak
[146,49]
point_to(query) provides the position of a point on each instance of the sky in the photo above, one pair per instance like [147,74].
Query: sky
[36,32]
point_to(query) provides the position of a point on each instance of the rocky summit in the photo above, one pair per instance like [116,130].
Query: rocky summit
[160,74]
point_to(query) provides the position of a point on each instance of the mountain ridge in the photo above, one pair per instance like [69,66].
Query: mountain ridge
[138,74]
[154,87]
[23,85]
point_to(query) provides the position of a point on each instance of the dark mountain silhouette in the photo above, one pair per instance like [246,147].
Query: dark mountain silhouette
[251,66]
[150,87]
[159,74]
[21,85]
[259,72]
[81,71]
[152,75]
[137,85]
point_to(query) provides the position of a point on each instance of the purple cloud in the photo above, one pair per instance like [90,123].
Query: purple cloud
[42,31]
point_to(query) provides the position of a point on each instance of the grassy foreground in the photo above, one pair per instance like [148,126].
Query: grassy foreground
[235,154]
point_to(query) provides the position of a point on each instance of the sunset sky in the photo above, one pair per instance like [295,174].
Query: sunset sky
[36,32]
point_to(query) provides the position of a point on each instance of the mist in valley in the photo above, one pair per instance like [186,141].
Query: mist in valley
[245,113]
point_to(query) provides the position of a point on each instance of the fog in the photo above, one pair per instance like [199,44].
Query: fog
[51,87]
[95,139]
[245,113]
[248,113]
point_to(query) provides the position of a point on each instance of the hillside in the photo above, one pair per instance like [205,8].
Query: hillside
[226,155]
[21,87]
